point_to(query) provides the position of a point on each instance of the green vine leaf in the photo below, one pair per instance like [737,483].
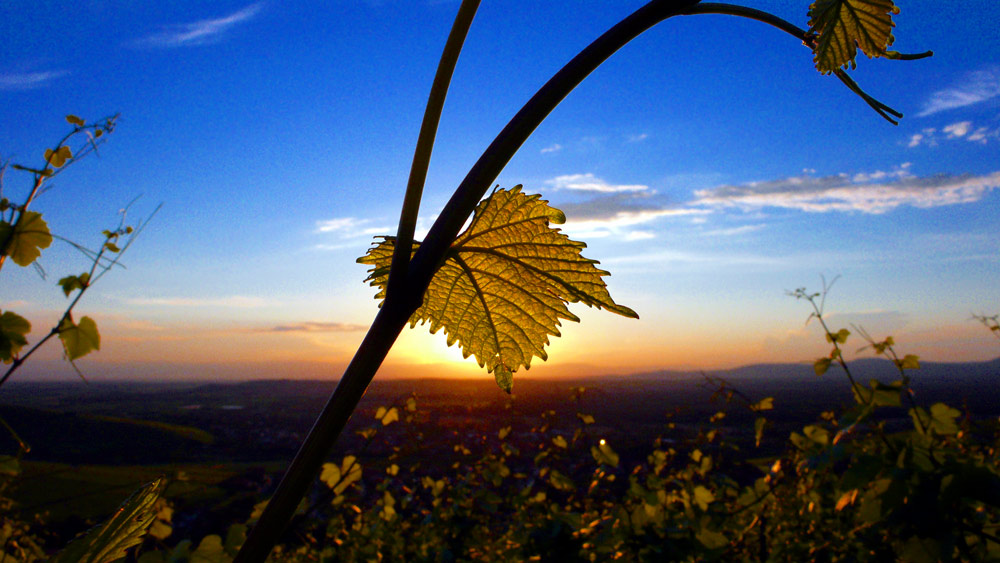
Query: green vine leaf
[126,528]
[27,240]
[13,330]
[79,339]
[843,26]
[70,284]
[505,283]
[57,158]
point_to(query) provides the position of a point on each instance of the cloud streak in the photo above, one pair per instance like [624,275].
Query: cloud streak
[29,80]
[233,301]
[590,183]
[201,32]
[310,326]
[972,88]
[841,193]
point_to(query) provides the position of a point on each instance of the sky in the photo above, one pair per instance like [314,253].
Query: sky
[707,165]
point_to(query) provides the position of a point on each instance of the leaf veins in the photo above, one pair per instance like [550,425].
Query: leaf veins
[505,283]
[843,26]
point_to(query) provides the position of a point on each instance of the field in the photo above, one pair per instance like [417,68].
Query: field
[224,445]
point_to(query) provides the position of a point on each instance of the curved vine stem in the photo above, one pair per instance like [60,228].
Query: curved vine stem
[403,298]
[809,40]
[425,144]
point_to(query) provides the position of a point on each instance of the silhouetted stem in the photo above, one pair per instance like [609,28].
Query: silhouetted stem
[396,309]
[425,145]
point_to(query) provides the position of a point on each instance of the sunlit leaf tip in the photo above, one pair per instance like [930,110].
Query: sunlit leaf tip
[844,26]
[505,283]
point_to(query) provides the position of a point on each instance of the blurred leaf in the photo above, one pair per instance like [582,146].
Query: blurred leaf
[504,432]
[210,550]
[909,361]
[79,339]
[126,528]
[70,284]
[27,240]
[387,416]
[703,497]
[604,454]
[763,405]
[505,282]
[843,26]
[821,365]
[585,418]
[560,481]
[560,442]
[840,337]
[58,157]
[13,330]
[758,429]
[74,120]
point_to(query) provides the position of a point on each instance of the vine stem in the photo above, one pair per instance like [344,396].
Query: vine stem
[425,145]
[397,308]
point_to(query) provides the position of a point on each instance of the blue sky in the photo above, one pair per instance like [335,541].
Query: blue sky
[707,165]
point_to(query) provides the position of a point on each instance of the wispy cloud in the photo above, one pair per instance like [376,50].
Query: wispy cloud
[733,231]
[200,32]
[842,193]
[638,138]
[590,183]
[972,88]
[233,301]
[310,326]
[960,130]
[29,80]
[617,214]
[556,147]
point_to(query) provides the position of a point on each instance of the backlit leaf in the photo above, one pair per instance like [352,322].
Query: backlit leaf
[910,361]
[560,442]
[505,282]
[29,238]
[844,26]
[126,528]
[821,365]
[58,157]
[70,284]
[604,454]
[79,339]
[13,329]
[763,405]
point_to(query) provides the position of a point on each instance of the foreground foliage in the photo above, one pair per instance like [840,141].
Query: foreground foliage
[884,479]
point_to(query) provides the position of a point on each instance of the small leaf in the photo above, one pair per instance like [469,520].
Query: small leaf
[503,432]
[585,418]
[72,283]
[504,285]
[839,337]
[703,497]
[821,365]
[79,339]
[392,415]
[909,361]
[560,442]
[28,239]
[126,528]
[560,481]
[74,120]
[58,157]
[112,247]
[604,454]
[846,499]
[758,429]
[844,26]
[13,330]
[763,405]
